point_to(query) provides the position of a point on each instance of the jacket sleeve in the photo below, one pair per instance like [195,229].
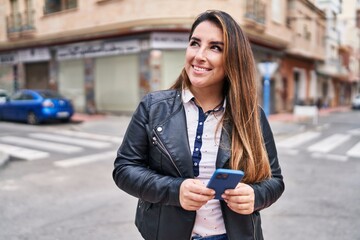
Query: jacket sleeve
[131,167]
[268,191]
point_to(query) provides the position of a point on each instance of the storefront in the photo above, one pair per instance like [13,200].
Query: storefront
[301,81]
[113,75]
[7,63]
[107,75]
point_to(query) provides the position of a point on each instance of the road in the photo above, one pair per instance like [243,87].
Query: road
[67,191]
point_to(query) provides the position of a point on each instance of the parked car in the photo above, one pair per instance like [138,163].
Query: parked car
[356,102]
[36,106]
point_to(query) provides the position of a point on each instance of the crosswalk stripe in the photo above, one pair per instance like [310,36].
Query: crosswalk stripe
[57,147]
[333,157]
[354,131]
[329,143]
[354,151]
[297,140]
[23,153]
[77,141]
[71,162]
[90,136]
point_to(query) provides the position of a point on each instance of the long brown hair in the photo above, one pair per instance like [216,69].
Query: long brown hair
[248,152]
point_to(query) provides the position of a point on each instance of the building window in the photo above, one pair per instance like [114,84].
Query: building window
[52,6]
[256,11]
[20,21]
[307,33]
[277,11]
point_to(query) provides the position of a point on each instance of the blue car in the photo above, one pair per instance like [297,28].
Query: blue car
[36,106]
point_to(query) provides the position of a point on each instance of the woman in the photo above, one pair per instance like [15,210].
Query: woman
[209,119]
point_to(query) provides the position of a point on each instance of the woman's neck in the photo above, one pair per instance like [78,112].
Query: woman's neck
[207,100]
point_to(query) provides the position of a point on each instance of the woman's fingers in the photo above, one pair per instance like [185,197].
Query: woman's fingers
[193,194]
[241,199]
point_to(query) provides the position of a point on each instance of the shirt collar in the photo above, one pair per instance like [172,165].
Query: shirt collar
[187,96]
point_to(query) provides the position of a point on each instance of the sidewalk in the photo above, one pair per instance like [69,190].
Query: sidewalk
[288,123]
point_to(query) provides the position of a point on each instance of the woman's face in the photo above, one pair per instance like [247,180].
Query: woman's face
[204,57]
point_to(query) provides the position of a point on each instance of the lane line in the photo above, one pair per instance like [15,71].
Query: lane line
[56,147]
[76,141]
[71,162]
[329,143]
[23,153]
[297,140]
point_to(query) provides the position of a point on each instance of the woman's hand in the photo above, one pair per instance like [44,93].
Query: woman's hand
[194,194]
[241,199]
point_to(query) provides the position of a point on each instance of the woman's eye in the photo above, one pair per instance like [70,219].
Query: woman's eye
[216,48]
[193,43]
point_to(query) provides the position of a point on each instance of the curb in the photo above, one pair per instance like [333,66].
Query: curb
[4,158]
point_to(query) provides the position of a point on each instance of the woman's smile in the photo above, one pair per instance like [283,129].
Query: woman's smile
[201,69]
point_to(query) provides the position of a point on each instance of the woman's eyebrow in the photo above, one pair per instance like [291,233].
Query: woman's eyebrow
[212,42]
[217,42]
[195,38]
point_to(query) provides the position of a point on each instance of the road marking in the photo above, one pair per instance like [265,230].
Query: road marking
[89,136]
[76,141]
[23,153]
[329,143]
[297,139]
[291,152]
[354,151]
[57,147]
[355,131]
[333,157]
[71,162]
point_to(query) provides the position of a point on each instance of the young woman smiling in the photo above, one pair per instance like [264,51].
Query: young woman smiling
[209,119]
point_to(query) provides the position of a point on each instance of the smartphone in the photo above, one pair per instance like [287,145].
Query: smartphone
[223,179]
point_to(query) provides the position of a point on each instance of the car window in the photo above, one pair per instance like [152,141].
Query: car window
[22,96]
[27,96]
[50,94]
[17,96]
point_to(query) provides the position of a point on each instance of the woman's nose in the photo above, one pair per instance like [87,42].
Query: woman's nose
[200,54]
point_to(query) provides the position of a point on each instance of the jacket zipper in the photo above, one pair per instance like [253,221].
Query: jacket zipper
[157,142]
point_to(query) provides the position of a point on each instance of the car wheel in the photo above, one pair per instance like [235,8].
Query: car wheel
[32,119]
[65,120]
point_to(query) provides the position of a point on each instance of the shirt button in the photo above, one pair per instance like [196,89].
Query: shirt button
[200,123]
[196,149]
[195,164]
[159,129]
[198,137]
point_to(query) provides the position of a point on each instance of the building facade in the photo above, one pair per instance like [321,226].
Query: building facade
[307,49]
[106,54]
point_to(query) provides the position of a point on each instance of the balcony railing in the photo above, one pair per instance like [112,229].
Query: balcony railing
[256,11]
[20,22]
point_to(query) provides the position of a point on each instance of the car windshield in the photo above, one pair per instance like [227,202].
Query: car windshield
[50,94]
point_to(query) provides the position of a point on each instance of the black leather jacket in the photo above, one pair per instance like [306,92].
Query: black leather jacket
[155,158]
